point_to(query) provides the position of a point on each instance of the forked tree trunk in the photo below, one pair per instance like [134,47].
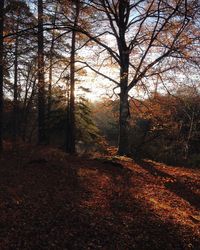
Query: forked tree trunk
[123,140]
[1,73]
[41,84]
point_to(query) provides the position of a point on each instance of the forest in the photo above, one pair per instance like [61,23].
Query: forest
[99,124]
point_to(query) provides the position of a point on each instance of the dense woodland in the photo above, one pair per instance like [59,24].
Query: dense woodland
[93,158]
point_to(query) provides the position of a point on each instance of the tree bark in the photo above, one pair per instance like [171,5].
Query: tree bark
[1,73]
[124,114]
[71,126]
[51,74]
[123,140]
[41,83]
[50,91]
[67,129]
[70,138]
[15,100]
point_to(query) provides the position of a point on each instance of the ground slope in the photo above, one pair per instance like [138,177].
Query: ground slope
[52,201]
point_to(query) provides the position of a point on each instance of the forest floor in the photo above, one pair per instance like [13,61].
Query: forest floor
[49,200]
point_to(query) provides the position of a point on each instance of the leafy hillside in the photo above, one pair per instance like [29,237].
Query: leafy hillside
[50,200]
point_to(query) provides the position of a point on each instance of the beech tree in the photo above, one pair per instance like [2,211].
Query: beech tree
[51,57]
[74,13]
[17,11]
[41,81]
[70,142]
[144,35]
[143,40]
[19,50]
[1,72]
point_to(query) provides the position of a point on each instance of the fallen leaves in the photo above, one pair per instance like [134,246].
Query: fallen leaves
[78,203]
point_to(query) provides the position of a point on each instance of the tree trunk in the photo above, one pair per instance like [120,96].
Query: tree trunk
[26,111]
[123,140]
[41,84]
[1,73]
[15,100]
[71,126]
[50,75]
[70,139]
[49,94]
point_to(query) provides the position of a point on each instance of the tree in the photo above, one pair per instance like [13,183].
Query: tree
[1,72]
[51,56]
[15,101]
[166,127]
[19,49]
[106,117]
[72,10]
[146,33]
[187,116]
[41,82]
[71,134]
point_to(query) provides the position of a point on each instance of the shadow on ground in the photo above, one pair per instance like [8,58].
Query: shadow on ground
[178,186]
[49,206]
